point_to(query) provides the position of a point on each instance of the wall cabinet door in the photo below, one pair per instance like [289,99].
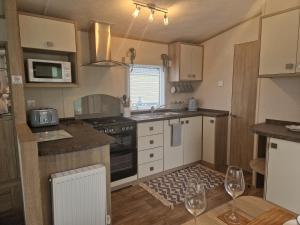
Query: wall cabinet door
[186,63]
[192,139]
[283,178]
[41,33]
[279,40]
[197,63]
[173,156]
[209,131]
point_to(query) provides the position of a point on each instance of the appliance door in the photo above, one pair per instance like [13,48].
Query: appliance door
[123,157]
[48,71]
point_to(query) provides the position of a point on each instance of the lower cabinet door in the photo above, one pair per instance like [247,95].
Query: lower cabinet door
[283,174]
[151,168]
[209,124]
[173,155]
[192,139]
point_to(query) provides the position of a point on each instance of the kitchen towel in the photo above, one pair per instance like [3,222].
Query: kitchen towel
[176,135]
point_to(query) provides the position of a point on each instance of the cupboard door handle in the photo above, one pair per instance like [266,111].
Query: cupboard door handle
[187,122]
[289,66]
[182,122]
[151,155]
[151,168]
[274,145]
[194,75]
[151,128]
[151,142]
[211,121]
[233,115]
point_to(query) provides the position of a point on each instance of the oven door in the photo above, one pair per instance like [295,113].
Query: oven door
[123,157]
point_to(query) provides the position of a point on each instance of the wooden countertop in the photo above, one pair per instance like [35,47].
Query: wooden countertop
[84,138]
[276,129]
[255,210]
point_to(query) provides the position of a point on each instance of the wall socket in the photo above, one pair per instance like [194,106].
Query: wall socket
[220,83]
[31,104]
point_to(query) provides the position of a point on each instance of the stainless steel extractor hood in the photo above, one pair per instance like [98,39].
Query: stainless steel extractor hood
[100,46]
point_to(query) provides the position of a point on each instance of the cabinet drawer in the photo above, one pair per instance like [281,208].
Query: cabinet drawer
[150,155]
[41,33]
[145,129]
[152,141]
[151,168]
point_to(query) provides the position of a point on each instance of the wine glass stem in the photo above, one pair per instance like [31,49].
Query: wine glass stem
[233,207]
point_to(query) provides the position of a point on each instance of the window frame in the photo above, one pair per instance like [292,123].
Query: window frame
[162,82]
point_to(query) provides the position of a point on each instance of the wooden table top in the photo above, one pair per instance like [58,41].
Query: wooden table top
[249,207]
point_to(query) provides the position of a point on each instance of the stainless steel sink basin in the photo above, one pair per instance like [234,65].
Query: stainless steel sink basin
[166,113]
[155,115]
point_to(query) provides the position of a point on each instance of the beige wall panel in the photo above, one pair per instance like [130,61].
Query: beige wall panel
[218,65]
[279,99]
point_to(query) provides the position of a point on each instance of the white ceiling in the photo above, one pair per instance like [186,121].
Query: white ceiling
[189,20]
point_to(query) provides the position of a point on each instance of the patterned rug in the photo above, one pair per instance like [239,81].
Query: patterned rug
[170,188]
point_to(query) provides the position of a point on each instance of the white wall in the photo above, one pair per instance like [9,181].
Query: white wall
[96,80]
[218,65]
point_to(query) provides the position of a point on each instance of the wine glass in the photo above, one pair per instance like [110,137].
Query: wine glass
[235,186]
[195,198]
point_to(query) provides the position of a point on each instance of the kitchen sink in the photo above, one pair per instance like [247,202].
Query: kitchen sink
[155,115]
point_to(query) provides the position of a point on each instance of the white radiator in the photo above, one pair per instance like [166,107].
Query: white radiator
[79,196]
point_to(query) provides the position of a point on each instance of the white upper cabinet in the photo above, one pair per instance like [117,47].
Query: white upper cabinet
[279,44]
[47,34]
[187,62]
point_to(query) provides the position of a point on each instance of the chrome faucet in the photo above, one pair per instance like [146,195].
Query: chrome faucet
[153,109]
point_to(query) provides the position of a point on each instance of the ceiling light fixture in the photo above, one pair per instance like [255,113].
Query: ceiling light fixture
[153,8]
[136,11]
[151,16]
[166,20]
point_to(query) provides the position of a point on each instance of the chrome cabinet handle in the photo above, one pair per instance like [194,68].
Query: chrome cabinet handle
[187,122]
[211,121]
[151,142]
[151,128]
[151,155]
[151,168]
[289,66]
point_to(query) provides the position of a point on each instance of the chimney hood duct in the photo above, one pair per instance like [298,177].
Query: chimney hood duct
[100,46]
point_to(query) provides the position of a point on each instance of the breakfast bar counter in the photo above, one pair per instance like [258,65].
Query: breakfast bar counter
[276,129]
[83,137]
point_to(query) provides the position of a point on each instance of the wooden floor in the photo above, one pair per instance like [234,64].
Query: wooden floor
[135,206]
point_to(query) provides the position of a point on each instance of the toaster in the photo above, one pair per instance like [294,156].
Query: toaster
[43,117]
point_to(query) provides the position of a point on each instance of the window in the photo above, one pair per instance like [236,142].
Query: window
[146,87]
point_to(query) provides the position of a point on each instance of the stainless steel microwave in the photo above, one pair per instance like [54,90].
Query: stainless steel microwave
[49,71]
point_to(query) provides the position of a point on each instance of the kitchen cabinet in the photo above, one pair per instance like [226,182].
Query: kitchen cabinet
[192,139]
[10,184]
[282,177]
[173,155]
[48,34]
[279,44]
[215,141]
[150,138]
[186,62]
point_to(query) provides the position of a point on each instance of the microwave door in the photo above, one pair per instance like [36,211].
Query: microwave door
[43,71]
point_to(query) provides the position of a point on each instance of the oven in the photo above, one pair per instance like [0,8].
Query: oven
[123,152]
